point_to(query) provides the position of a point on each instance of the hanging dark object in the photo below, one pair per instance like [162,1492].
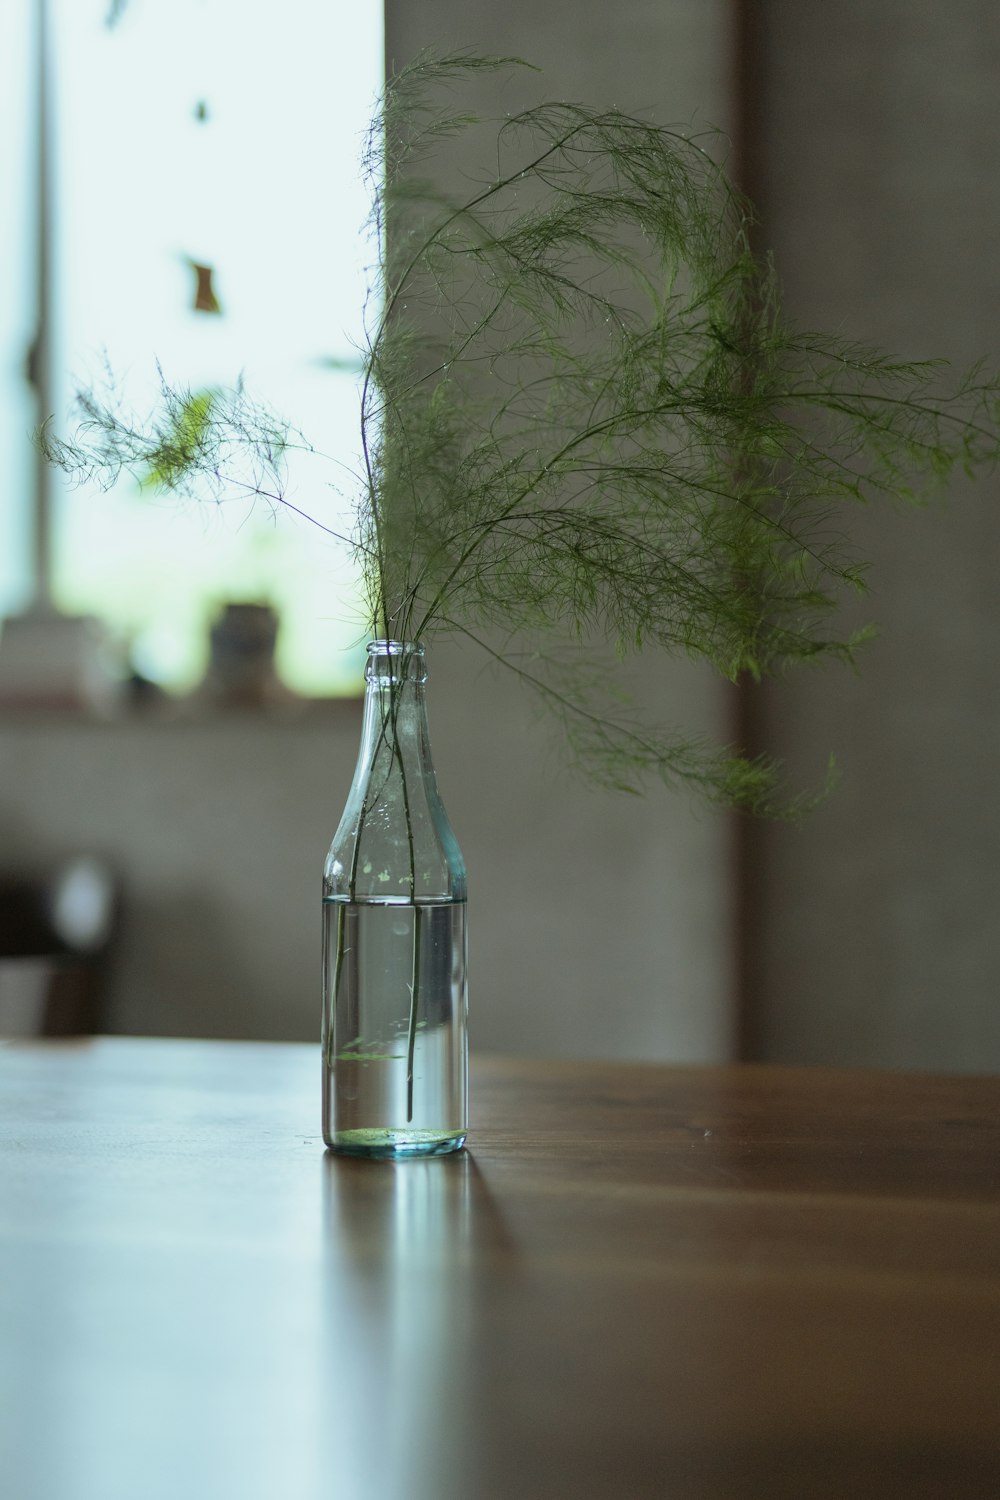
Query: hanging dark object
[205,299]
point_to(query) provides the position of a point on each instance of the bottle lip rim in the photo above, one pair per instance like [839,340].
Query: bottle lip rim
[395,648]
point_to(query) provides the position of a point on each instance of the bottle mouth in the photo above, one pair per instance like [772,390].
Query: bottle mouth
[395,661]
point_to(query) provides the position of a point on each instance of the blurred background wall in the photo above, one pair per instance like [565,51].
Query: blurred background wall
[600,924]
[603,925]
[873,136]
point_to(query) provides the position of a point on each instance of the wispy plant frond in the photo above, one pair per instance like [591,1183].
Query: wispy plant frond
[584,416]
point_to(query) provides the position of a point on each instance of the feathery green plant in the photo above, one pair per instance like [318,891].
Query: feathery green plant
[585,422]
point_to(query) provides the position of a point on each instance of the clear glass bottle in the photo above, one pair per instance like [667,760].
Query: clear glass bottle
[394,936]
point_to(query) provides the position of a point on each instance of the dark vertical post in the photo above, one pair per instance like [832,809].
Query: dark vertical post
[40,364]
[748,39]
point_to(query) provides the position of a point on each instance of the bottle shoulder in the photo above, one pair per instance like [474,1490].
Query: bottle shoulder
[392,860]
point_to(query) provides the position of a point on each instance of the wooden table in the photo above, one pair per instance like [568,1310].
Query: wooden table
[638,1282]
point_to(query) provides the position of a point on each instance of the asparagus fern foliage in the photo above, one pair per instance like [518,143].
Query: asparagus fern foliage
[586,423]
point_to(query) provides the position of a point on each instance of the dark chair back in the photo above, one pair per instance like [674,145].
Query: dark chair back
[56,932]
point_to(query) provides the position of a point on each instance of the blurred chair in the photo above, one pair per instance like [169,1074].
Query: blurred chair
[56,932]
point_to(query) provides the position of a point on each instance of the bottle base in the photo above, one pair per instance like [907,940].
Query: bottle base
[386,1143]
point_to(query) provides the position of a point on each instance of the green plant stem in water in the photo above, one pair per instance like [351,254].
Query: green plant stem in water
[411,1032]
[395,692]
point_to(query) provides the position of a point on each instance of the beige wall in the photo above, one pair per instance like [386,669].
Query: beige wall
[600,924]
[877,937]
[872,935]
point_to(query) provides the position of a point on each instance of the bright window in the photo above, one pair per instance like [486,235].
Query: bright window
[194,133]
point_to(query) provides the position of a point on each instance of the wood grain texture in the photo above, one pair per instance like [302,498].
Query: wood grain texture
[638,1282]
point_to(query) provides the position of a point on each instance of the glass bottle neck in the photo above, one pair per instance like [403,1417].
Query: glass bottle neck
[395,711]
[394,843]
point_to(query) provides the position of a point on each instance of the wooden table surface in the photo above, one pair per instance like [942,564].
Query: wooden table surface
[638,1282]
